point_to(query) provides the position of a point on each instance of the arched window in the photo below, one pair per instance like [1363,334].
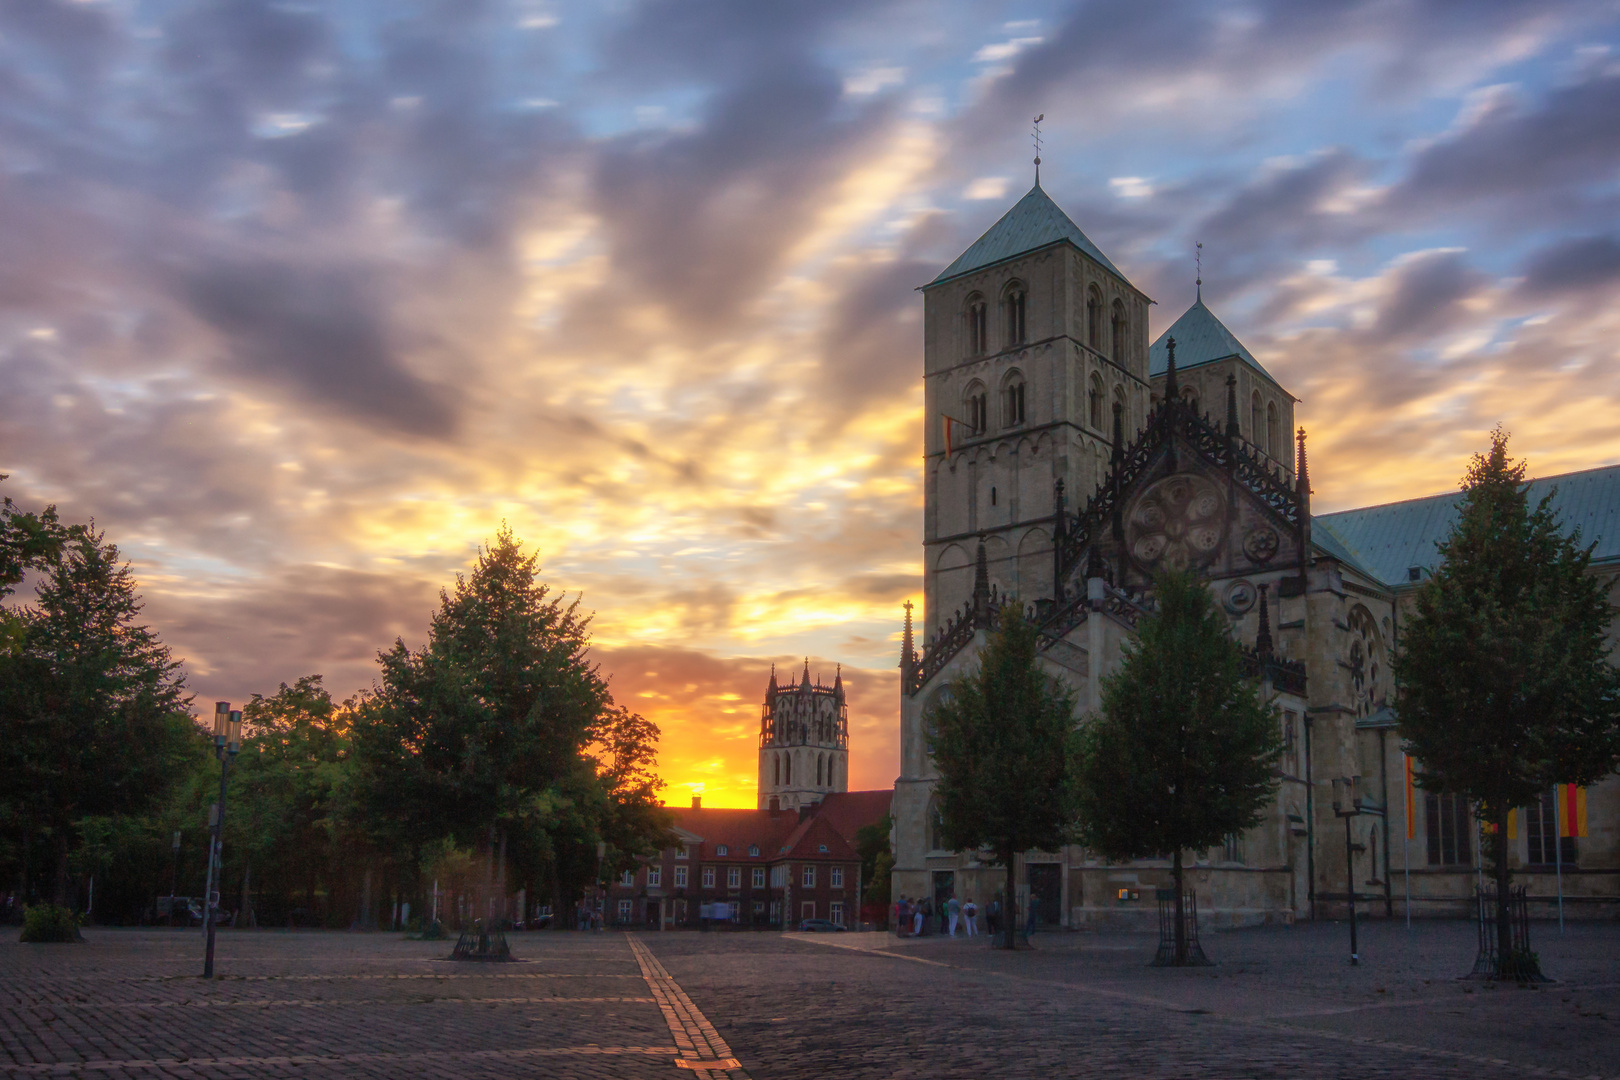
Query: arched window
[1012,399]
[1094,314]
[977,403]
[1013,303]
[1095,403]
[818,771]
[1272,446]
[1256,426]
[776,804]
[977,326]
[1119,333]
[778,762]
[787,769]
[1189,394]
[936,828]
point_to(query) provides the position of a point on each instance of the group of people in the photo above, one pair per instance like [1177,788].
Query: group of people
[920,917]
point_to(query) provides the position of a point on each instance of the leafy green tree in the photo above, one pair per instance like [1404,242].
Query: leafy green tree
[501,735]
[86,699]
[1504,679]
[1185,751]
[997,738]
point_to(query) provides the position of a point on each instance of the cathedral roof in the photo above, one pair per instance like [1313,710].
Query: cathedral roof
[1201,338]
[1387,541]
[1034,222]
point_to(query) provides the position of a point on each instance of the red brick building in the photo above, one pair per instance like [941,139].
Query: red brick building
[762,869]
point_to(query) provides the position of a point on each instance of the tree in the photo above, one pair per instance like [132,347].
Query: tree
[1503,678]
[27,541]
[87,698]
[877,860]
[501,735]
[1185,751]
[997,739]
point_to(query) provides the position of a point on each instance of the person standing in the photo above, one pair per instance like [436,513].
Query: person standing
[970,914]
[953,912]
[918,917]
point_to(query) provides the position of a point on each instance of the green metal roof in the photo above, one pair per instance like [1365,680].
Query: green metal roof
[1386,541]
[1201,338]
[1034,222]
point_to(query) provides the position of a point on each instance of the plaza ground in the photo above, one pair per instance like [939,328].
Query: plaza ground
[1280,1002]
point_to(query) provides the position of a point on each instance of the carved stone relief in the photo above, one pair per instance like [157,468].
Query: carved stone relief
[1178,522]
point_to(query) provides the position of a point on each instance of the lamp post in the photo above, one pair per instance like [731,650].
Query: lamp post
[227,741]
[1347,804]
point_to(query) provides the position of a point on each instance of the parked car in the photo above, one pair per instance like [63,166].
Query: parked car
[818,926]
[181,910]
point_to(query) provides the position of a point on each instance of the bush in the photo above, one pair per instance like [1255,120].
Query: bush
[47,922]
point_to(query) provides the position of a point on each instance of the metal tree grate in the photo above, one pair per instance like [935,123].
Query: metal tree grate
[1166,956]
[1520,965]
[482,943]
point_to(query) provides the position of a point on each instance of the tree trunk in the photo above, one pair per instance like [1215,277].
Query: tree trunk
[1009,909]
[1505,960]
[62,897]
[1181,922]
[244,911]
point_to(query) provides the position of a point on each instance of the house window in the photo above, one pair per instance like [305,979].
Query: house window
[680,877]
[733,876]
[1446,822]
[624,911]
[753,850]
[628,877]
[1015,305]
[1094,309]
[978,339]
[836,912]
[822,848]
[838,877]
[1118,327]
[1541,828]
[759,877]
[708,877]
[808,877]
[759,907]
[682,852]
[722,850]
[655,877]
[807,910]
[1012,401]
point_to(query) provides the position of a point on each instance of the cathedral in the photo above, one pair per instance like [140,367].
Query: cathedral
[1067,458]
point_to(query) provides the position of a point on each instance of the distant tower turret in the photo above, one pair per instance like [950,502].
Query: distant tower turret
[803,742]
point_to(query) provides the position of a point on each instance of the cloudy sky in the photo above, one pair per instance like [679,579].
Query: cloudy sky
[299,301]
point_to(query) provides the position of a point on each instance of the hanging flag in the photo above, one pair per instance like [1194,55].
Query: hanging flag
[1571,810]
[1489,827]
[1411,801]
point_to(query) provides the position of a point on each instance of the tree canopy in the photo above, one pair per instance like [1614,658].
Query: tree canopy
[1504,681]
[997,738]
[1185,750]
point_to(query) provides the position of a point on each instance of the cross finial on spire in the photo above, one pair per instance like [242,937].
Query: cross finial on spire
[1198,260]
[1036,139]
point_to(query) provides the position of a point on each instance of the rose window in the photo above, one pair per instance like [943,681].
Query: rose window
[1178,522]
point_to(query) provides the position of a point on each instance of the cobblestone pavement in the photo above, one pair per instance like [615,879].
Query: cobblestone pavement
[1280,1002]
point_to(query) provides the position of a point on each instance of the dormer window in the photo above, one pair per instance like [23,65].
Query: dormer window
[753,850]
[822,848]
[1012,400]
[1014,303]
[978,337]
[721,849]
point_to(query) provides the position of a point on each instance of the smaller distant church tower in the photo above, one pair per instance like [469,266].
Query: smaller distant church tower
[803,742]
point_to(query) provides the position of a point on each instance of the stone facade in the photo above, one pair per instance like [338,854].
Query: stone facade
[803,743]
[1037,364]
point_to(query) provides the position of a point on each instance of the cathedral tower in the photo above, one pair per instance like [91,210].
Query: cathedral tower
[1031,338]
[803,742]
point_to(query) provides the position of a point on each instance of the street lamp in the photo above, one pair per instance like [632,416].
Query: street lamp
[227,742]
[1347,804]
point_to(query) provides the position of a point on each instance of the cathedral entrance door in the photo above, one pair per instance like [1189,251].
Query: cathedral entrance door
[1046,889]
[944,888]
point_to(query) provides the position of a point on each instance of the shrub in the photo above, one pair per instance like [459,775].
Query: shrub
[47,922]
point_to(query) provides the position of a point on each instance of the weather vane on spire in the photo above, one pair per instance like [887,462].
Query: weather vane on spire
[1037,141]
[1198,259]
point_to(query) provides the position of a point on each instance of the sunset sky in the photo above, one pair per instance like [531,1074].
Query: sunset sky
[300,301]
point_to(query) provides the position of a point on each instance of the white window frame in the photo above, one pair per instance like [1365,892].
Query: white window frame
[680,877]
[759,877]
[838,877]
[625,910]
[708,877]
[807,877]
[835,912]
[627,878]
[655,877]
[733,877]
